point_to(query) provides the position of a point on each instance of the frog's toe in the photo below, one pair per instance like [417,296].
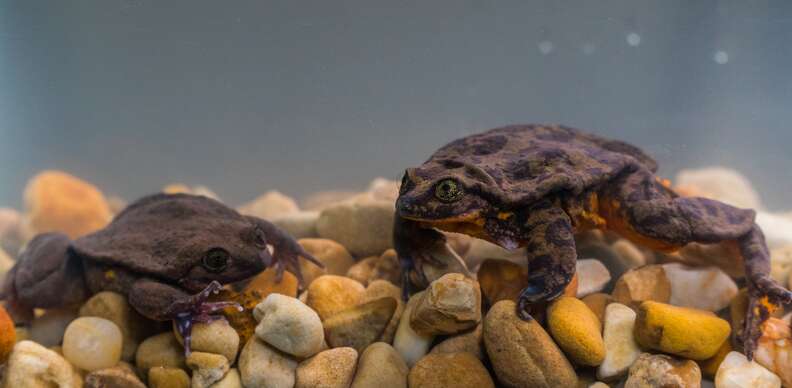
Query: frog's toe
[764,297]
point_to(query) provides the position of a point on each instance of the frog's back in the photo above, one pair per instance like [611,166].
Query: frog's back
[526,162]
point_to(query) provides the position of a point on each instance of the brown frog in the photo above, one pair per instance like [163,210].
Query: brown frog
[166,253]
[536,186]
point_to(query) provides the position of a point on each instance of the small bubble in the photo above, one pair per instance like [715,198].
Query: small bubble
[721,57]
[546,47]
[633,39]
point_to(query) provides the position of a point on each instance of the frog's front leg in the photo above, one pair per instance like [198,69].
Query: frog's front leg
[414,245]
[286,250]
[551,255]
[163,302]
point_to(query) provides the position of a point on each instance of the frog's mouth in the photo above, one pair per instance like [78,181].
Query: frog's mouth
[470,223]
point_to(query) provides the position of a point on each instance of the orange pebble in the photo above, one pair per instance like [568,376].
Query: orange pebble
[7,335]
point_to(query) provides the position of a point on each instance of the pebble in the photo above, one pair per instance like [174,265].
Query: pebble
[32,365]
[330,294]
[640,284]
[57,201]
[301,224]
[501,280]
[278,373]
[332,368]
[597,303]
[92,343]
[616,263]
[522,353]
[592,277]
[289,325]
[363,227]
[166,377]
[333,255]
[384,189]
[6,262]
[264,284]
[439,370]
[370,269]
[681,331]
[208,368]
[781,264]
[216,337]
[269,205]
[776,228]
[660,371]
[481,250]
[11,233]
[703,288]
[621,350]
[48,329]
[709,367]
[8,335]
[722,183]
[576,330]
[115,308]
[451,304]
[471,341]
[382,366]
[380,289]
[160,350]
[361,325]
[230,380]
[120,376]
[451,263]
[775,349]
[737,372]
[630,254]
[411,345]
[321,200]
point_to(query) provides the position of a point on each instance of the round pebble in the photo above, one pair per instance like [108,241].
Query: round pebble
[165,377]
[32,365]
[160,350]
[576,330]
[289,325]
[450,305]
[215,337]
[329,294]
[333,255]
[332,368]
[381,365]
[279,370]
[439,370]
[92,343]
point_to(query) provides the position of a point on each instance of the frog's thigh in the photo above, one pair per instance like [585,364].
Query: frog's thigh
[152,299]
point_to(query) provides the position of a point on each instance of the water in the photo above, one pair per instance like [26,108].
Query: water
[307,96]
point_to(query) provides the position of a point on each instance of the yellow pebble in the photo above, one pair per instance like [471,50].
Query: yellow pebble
[576,330]
[690,333]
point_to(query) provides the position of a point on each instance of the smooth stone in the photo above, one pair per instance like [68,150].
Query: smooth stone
[48,329]
[230,380]
[166,377]
[380,365]
[363,227]
[92,343]
[382,267]
[501,280]
[481,250]
[59,202]
[333,255]
[301,224]
[592,276]
[332,368]
[321,200]
[471,341]
[361,325]
[451,263]
[278,373]
[706,288]
[34,366]
[598,384]
[597,303]
[121,376]
[776,228]
[631,255]
[709,367]
[661,371]
[410,344]
[160,350]
[8,335]
[681,331]
[737,372]
[269,205]
[115,308]
[6,263]
[208,368]
[721,183]
[522,353]
[781,264]
[289,325]
[576,330]
[641,284]
[616,263]
[382,288]
[621,350]
[775,349]
[11,230]
[450,305]
[330,294]
[439,370]
[384,189]
[266,283]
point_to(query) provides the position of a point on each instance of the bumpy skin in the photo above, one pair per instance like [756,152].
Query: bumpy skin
[536,186]
[155,252]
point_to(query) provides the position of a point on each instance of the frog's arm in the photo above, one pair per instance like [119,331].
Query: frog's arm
[286,250]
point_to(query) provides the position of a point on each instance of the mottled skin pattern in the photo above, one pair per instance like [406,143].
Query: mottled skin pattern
[536,186]
[166,253]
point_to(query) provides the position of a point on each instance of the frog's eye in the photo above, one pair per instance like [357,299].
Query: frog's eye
[215,260]
[448,190]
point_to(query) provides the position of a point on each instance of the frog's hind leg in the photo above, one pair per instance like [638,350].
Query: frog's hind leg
[643,210]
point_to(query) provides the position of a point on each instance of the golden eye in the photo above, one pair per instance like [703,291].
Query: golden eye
[215,260]
[448,190]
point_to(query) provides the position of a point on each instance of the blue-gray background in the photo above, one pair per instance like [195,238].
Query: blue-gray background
[245,96]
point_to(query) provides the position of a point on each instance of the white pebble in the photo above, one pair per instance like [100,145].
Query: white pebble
[289,325]
[411,345]
[593,276]
[737,372]
[704,288]
[620,347]
[92,343]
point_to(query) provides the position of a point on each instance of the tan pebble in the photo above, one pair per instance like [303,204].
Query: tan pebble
[645,283]
[660,370]
[441,370]
[333,255]
[289,325]
[361,325]
[230,380]
[271,204]
[382,267]
[208,368]
[333,368]
[216,337]
[501,280]
[299,225]
[576,330]
[121,376]
[380,366]
[160,350]
[329,294]
[115,307]
[92,343]
[365,228]
[450,305]
[470,341]
[166,377]
[597,302]
[382,288]
[280,370]
[265,283]
[32,365]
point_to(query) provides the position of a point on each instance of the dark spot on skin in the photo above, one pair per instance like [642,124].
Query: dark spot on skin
[489,145]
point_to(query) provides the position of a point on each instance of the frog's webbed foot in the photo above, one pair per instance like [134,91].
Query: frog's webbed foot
[197,309]
[414,247]
[764,297]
